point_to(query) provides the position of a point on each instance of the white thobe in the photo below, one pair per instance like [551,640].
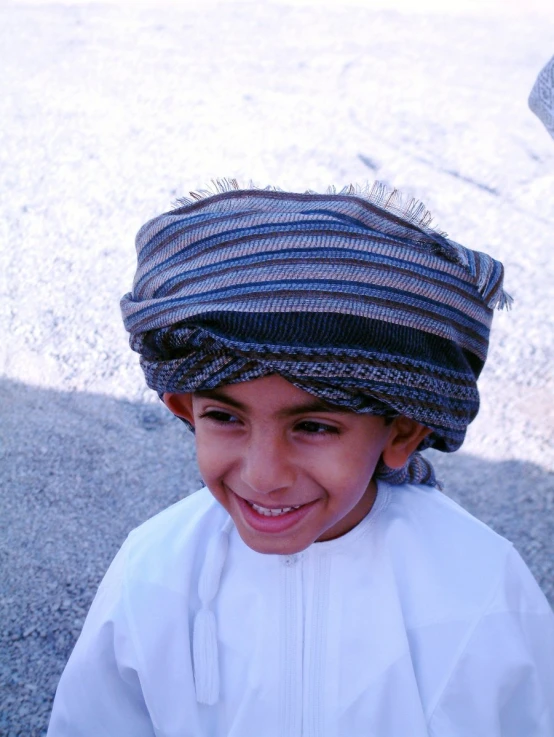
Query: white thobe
[420,621]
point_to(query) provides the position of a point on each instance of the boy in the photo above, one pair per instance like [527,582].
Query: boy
[320,585]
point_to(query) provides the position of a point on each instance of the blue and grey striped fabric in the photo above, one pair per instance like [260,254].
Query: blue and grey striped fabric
[347,296]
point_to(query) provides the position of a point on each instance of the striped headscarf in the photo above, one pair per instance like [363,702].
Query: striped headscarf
[350,296]
[541,99]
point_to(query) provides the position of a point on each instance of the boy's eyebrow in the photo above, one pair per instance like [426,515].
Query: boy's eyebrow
[221,397]
[315,405]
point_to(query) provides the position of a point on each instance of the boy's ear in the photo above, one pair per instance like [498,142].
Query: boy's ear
[405,436]
[180,405]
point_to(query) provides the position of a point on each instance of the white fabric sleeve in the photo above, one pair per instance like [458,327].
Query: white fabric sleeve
[502,684]
[99,694]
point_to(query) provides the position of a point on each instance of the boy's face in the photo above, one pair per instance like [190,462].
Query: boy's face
[288,468]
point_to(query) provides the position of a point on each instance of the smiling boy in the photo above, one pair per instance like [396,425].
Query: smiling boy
[289,469]
[320,585]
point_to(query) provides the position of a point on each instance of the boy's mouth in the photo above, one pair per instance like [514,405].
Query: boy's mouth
[271,512]
[272,520]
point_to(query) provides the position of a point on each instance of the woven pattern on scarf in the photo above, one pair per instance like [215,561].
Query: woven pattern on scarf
[342,295]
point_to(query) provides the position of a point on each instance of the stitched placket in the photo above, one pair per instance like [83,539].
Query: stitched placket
[305,594]
[316,569]
[291,638]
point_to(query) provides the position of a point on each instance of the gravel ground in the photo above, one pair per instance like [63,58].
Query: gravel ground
[109,112]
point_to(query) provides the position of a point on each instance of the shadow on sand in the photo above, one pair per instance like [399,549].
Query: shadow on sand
[79,471]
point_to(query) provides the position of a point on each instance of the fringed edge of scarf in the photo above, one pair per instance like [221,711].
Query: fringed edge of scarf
[487,272]
[379,194]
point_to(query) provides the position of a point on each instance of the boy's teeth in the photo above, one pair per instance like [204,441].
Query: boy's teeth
[272,512]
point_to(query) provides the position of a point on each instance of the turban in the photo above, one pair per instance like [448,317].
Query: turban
[350,296]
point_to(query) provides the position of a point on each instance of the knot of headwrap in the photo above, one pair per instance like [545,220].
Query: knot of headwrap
[346,296]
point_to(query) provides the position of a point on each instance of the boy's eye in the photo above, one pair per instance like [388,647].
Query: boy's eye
[316,428]
[219,415]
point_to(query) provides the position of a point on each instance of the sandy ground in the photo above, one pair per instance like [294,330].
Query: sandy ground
[110,112]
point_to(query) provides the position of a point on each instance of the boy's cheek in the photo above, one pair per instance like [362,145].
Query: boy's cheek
[211,466]
[205,451]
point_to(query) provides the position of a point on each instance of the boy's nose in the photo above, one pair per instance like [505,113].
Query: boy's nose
[266,465]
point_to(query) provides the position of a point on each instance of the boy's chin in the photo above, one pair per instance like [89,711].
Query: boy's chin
[268,545]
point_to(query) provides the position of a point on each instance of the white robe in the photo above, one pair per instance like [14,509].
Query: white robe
[419,621]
